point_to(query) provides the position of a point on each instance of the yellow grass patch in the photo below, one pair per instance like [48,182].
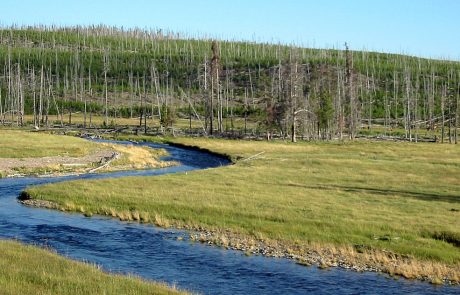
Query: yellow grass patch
[137,156]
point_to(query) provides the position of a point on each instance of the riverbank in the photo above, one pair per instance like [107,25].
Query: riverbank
[387,207]
[355,257]
[41,154]
[27,269]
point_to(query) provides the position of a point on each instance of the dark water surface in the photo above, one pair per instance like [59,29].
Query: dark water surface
[156,254]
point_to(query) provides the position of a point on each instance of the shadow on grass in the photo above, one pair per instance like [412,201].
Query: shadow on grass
[446,236]
[385,192]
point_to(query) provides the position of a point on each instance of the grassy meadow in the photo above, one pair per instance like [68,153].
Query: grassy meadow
[388,196]
[20,144]
[31,270]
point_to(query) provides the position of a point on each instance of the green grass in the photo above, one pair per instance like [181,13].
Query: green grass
[30,270]
[20,144]
[344,194]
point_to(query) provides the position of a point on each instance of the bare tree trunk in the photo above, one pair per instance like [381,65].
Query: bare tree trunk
[34,98]
[90,92]
[40,105]
[449,107]
[106,68]
[10,86]
[132,93]
[206,96]
[340,117]
[83,97]
[415,116]
[2,119]
[211,108]
[20,98]
[145,107]
[140,100]
[220,104]
[215,64]
[245,110]
[349,95]
[457,106]
[151,90]
[408,120]
[47,106]
[443,99]
[157,93]
[59,115]
[294,80]
[293,127]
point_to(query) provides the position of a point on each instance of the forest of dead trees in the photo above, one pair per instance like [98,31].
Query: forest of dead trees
[48,74]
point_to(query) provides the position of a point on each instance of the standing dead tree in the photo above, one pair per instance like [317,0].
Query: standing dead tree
[295,92]
[215,87]
[351,109]
[106,69]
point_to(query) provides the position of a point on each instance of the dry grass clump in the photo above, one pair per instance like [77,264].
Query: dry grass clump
[125,215]
[145,217]
[136,157]
[159,220]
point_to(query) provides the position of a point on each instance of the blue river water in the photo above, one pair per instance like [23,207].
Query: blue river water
[160,255]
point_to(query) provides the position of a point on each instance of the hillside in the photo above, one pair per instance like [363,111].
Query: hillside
[52,72]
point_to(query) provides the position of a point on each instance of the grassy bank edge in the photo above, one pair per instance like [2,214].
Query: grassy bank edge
[28,269]
[358,258]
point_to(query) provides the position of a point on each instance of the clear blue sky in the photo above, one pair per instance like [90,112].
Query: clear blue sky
[428,28]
